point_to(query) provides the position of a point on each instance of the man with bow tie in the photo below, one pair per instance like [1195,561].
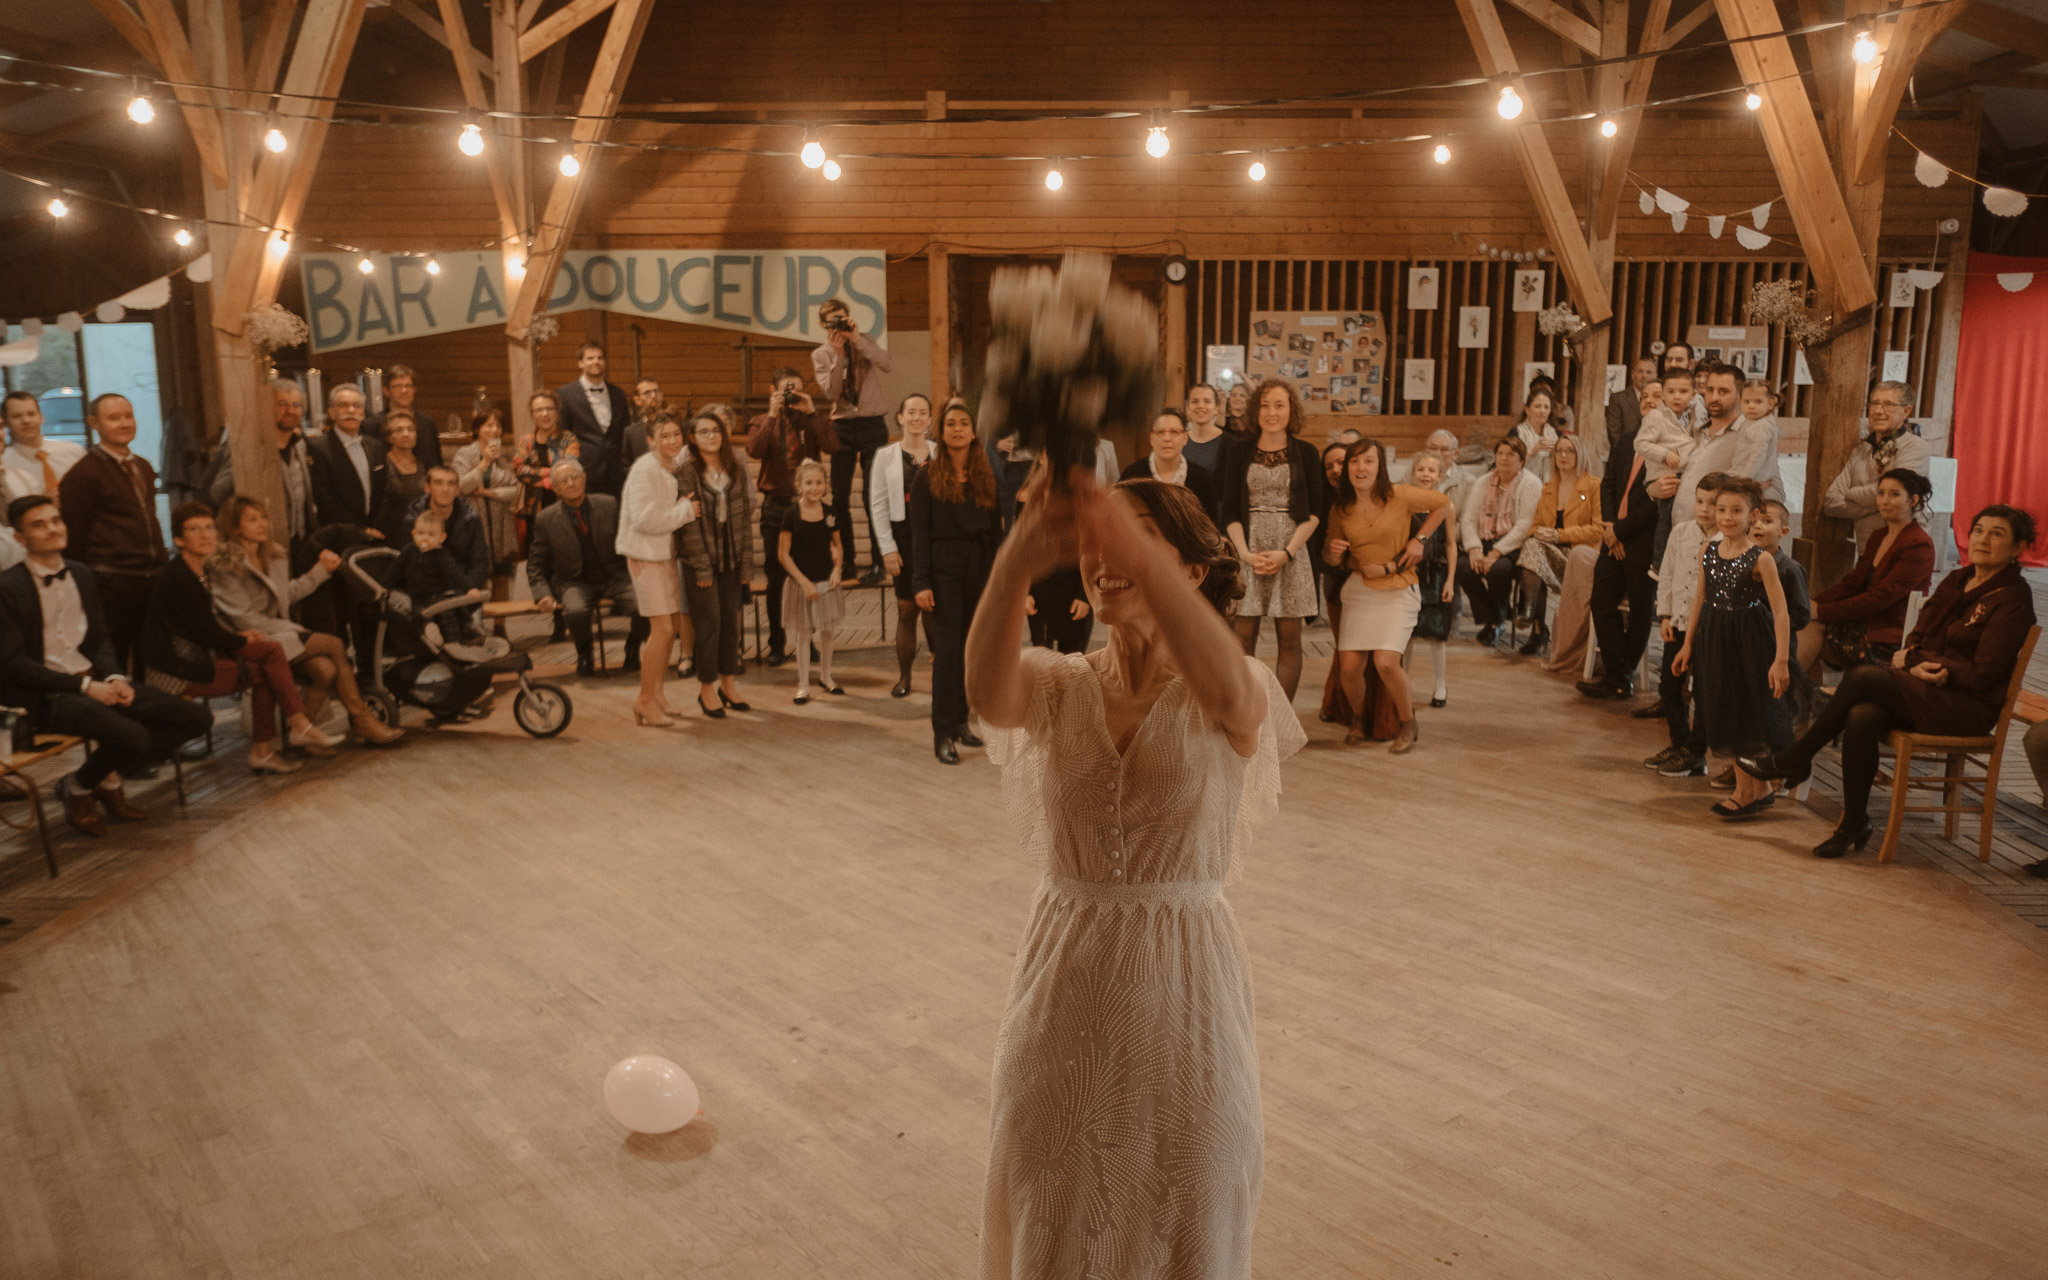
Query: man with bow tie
[57,661]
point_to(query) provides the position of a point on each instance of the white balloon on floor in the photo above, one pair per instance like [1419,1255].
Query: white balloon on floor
[649,1094]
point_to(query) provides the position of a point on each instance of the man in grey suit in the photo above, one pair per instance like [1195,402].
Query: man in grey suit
[572,562]
[1625,412]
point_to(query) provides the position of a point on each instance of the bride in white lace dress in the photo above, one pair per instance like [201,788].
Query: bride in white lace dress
[1125,1139]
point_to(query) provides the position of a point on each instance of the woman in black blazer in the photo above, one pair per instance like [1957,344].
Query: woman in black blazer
[187,652]
[1271,491]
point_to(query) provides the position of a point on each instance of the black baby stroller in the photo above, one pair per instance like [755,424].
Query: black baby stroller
[414,663]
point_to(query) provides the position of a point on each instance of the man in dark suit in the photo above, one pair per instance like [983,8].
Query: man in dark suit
[348,467]
[597,413]
[400,390]
[57,661]
[1623,573]
[572,562]
[1625,412]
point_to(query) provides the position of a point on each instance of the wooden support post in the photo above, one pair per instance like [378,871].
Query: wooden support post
[1174,302]
[939,270]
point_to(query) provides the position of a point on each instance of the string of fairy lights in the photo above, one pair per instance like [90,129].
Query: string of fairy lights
[811,152]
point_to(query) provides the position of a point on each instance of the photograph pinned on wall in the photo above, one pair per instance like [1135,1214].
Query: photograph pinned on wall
[1344,390]
[1710,355]
[1374,349]
[1422,283]
[1755,362]
[1301,344]
[1617,378]
[1418,379]
[1322,364]
[1316,395]
[1265,351]
[1529,289]
[1898,366]
[1330,356]
[1223,363]
[1358,321]
[1372,377]
[1903,292]
[1801,375]
[1535,369]
[1265,328]
[1475,325]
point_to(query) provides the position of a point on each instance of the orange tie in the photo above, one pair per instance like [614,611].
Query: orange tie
[1633,472]
[49,473]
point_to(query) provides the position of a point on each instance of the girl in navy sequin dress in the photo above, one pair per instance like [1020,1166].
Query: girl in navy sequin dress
[1738,643]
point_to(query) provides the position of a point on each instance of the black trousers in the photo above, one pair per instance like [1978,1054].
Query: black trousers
[579,609]
[1054,626]
[959,572]
[715,611]
[124,600]
[1679,718]
[859,440]
[1492,593]
[1868,704]
[1621,647]
[126,738]
[773,508]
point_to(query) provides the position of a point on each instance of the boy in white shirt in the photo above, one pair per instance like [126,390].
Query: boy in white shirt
[1678,578]
[1665,443]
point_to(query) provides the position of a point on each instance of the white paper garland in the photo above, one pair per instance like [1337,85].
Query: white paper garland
[1750,239]
[2014,281]
[1931,172]
[2004,201]
[1714,224]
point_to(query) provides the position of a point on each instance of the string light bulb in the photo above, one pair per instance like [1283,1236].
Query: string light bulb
[1054,179]
[140,109]
[280,244]
[366,266]
[832,170]
[183,237]
[515,268]
[1442,154]
[433,266]
[1753,100]
[57,207]
[1510,104]
[274,140]
[1608,128]
[813,154]
[1865,48]
[1157,144]
[1258,169]
[471,140]
[570,165]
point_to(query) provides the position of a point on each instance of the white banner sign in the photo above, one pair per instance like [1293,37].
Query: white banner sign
[767,291]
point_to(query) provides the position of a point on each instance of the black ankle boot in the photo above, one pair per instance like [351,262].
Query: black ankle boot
[1843,841]
[946,751]
[1769,768]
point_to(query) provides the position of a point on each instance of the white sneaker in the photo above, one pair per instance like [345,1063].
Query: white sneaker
[310,736]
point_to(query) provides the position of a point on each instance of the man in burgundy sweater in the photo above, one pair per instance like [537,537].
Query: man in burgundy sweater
[789,433]
[108,500]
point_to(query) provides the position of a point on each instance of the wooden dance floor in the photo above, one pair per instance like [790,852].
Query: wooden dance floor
[1524,1011]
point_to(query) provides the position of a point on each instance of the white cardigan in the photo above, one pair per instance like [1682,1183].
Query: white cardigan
[887,502]
[1527,492]
[650,510]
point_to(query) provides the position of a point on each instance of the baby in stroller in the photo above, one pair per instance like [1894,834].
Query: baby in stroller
[428,573]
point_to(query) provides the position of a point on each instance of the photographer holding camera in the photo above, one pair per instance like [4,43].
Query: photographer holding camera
[846,366]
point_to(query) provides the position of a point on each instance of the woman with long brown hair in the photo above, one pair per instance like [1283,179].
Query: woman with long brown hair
[954,529]
[483,468]
[1271,492]
[718,556]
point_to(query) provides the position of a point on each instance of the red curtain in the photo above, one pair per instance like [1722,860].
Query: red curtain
[2001,421]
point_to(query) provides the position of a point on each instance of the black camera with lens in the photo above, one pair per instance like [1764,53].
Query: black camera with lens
[841,324]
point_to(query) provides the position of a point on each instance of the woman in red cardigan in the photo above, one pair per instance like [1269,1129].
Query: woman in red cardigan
[1895,563]
[1949,677]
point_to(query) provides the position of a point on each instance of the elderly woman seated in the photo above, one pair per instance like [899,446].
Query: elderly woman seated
[252,586]
[1563,547]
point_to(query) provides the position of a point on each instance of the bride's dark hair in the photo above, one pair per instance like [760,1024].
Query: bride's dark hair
[1179,517]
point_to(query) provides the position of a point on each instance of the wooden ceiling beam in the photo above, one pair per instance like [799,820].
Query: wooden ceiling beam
[1798,153]
[1871,132]
[125,22]
[1539,167]
[438,33]
[601,95]
[174,55]
[466,59]
[2004,28]
[1628,122]
[1564,22]
[535,40]
[1686,25]
[266,57]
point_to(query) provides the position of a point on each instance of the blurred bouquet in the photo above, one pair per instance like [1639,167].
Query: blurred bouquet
[1071,354]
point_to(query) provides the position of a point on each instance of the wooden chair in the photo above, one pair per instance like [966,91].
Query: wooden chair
[1956,754]
[12,767]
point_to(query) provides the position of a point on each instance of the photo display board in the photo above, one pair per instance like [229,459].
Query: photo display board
[1336,360]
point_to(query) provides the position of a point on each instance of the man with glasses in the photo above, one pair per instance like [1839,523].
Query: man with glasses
[1168,461]
[401,388]
[1853,495]
[647,402]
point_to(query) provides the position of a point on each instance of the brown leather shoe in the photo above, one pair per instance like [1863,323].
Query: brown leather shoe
[79,810]
[117,806]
